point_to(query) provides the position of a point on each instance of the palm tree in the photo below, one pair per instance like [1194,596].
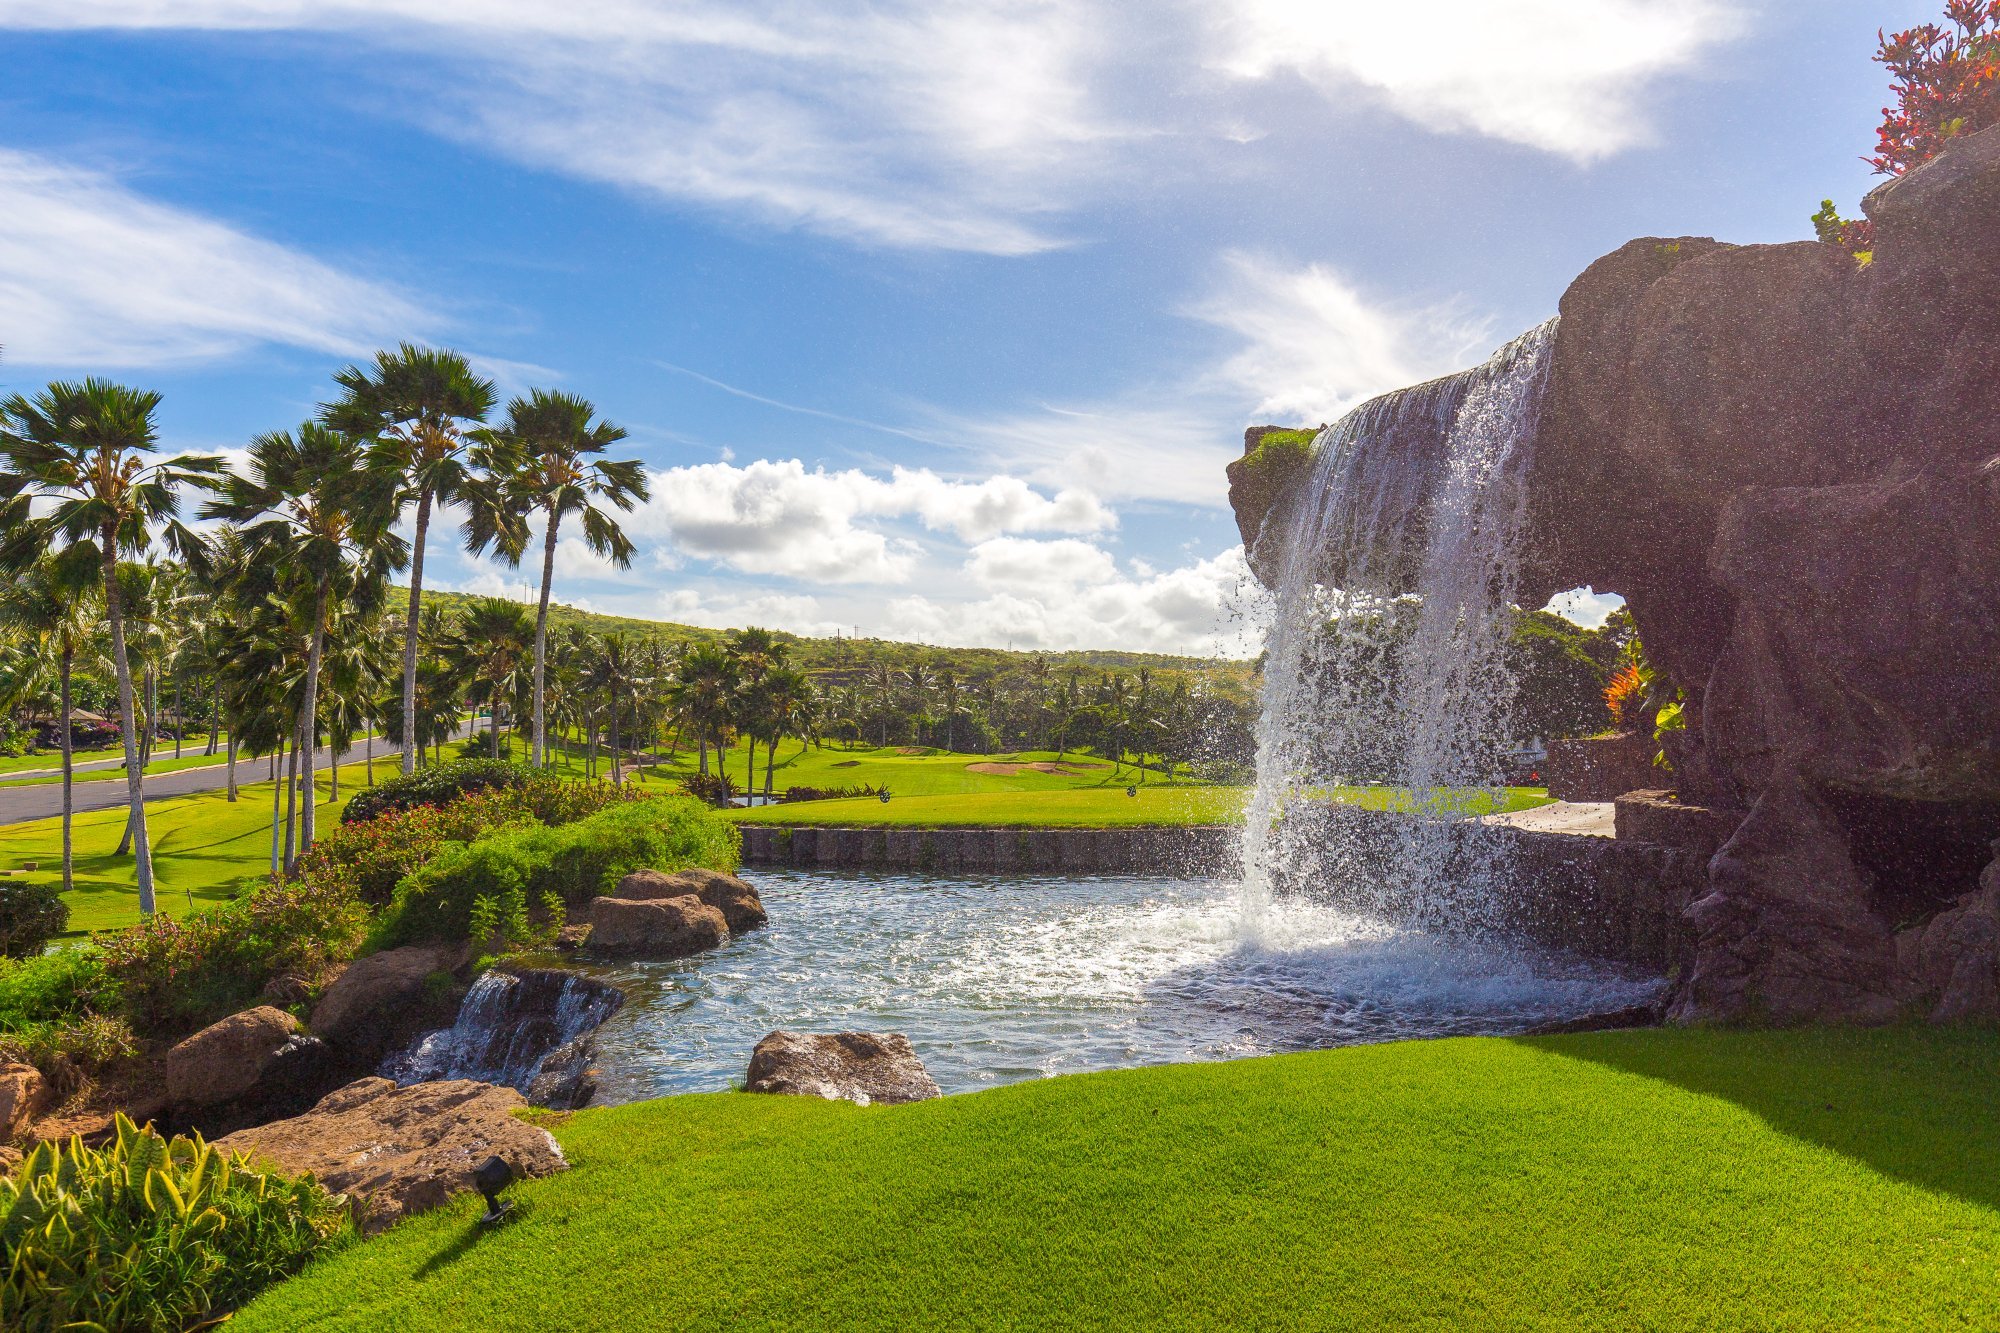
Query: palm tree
[610,670]
[81,453]
[314,512]
[50,607]
[416,404]
[543,459]
[492,648]
[700,693]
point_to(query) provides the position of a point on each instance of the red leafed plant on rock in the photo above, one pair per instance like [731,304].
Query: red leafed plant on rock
[1947,83]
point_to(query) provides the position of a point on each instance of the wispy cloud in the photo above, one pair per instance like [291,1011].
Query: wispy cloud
[973,125]
[92,274]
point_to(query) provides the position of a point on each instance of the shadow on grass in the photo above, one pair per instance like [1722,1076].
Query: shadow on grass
[1921,1105]
[467,1238]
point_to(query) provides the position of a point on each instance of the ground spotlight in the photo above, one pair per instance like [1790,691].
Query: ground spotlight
[493,1176]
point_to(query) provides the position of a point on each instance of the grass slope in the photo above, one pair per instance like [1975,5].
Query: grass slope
[1095,807]
[914,771]
[1632,1180]
[204,848]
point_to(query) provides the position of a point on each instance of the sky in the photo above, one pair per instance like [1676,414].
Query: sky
[935,320]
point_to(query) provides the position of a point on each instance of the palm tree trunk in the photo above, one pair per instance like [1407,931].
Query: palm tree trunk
[215,718]
[277,801]
[493,722]
[542,626]
[69,856]
[371,756]
[410,635]
[232,763]
[309,716]
[135,771]
[617,770]
[291,804]
[180,716]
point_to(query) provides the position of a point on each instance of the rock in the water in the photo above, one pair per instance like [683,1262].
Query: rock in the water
[22,1091]
[860,1067]
[379,1001]
[567,1077]
[655,928]
[736,900]
[227,1058]
[402,1151]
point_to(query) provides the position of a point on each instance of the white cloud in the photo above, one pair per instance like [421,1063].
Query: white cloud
[795,613]
[970,125]
[94,275]
[774,516]
[1021,562]
[1313,346]
[1171,448]
[1567,76]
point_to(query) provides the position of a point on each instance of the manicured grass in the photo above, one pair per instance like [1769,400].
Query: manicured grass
[1095,807]
[1630,1180]
[1091,808]
[925,772]
[51,760]
[204,848]
[117,773]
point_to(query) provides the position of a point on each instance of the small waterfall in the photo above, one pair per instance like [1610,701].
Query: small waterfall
[1387,661]
[530,1030]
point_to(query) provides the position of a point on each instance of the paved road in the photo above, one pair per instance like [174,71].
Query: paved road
[20,804]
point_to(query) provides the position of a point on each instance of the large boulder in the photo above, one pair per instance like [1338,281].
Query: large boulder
[1788,464]
[738,902]
[656,927]
[22,1092]
[860,1067]
[401,1151]
[380,1001]
[228,1058]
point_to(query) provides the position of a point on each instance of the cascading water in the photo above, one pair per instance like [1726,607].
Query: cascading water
[1387,662]
[529,1030]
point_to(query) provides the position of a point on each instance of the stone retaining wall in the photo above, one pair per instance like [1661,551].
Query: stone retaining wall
[1200,850]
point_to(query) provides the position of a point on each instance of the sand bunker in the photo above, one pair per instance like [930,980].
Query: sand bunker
[1039,766]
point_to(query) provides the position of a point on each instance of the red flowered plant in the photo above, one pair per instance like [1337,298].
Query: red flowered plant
[1947,84]
[1624,692]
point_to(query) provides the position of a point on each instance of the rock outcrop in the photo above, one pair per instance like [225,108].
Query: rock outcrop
[379,1002]
[529,1028]
[22,1093]
[655,927]
[401,1151]
[1789,466]
[229,1057]
[738,902]
[860,1067]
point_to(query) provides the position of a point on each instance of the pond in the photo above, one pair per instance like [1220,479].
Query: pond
[1000,978]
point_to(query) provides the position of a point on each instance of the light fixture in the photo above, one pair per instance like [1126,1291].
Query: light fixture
[885,798]
[492,1176]
[1131,791]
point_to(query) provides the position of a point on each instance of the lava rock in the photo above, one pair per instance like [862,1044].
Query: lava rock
[402,1151]
[567,1078]
[860,1067]
[22,1092]
[228,1058]
[738,902]
[656,928]
[380,1001]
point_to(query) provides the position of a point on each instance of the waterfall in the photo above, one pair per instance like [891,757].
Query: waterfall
[1387,662]
[530,1030]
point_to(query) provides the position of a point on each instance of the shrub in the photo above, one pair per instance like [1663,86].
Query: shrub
[69,1053]
[150,1233]
[830,793]
[439,784]
[180,974]
[1946,84]
[575,862]
[710,788]
[31,914]
[54,988]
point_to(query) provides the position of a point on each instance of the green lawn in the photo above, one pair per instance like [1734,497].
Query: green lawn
[912,771]
[1094,807]
[42,760]
[1635,1180]
[204,848]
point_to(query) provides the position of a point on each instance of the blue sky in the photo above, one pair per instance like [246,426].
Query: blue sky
[935,320]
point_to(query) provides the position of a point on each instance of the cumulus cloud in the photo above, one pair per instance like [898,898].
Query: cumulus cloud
[776,516]
[1567,76]
[92,274]
[971,125]
[1313,345]
[1020,562]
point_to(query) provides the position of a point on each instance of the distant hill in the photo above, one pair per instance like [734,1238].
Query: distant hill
[840,657]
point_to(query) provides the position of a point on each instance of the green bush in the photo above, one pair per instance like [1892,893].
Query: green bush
[439,784]
[150,1233]
[54,988]
[575,862]
[179,974]
[31,914]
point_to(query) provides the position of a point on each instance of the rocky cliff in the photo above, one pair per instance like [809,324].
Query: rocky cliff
[1789,465]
